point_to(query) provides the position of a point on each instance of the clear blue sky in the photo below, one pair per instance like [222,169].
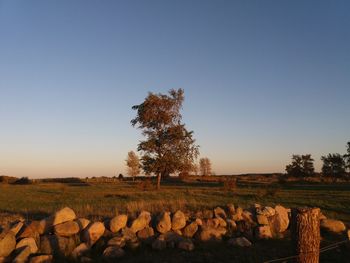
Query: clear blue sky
[262,80]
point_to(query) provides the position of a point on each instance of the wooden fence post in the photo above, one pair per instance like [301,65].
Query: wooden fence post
[306,234]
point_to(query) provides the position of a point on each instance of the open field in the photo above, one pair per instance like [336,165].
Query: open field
[98,201]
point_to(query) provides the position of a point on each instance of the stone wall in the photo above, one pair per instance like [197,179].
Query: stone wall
[64,235]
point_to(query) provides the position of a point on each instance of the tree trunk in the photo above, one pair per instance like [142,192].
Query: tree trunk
[306,234]
[158,180]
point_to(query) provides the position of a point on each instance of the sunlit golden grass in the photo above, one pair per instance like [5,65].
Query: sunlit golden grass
[105,200]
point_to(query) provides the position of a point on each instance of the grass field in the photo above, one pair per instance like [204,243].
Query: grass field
[98,201]
[103,200]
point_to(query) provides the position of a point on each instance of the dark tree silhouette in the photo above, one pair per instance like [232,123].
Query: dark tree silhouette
[169,147]
[333,165]
[347,157]
[301,166]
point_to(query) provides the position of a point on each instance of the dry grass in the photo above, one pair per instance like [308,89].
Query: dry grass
[97,201]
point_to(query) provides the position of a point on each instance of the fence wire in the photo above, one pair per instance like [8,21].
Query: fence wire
[324,249]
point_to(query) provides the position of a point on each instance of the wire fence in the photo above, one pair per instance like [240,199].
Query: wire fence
[324,249]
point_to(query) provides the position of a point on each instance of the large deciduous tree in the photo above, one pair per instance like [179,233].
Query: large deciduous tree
[333,165]
[205,166]
[133,165]
[301,166]
[168,146]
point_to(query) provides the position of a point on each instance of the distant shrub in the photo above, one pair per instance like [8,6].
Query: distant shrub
[23,180]
[120,177]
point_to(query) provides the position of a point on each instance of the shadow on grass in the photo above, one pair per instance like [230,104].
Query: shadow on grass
[27,215]
[71,181]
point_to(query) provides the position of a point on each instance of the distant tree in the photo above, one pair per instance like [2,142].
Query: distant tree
[308,165]
[169,147]
[120,177]
[347,157]
[333,165]
[195,169]
[133,165]
[205,166]
[301,166]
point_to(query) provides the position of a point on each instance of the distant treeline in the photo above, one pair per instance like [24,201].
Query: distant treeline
[14,180]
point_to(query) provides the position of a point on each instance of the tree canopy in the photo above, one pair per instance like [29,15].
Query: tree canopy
[168,146]
[333,165]
[205,166]
[347,156]
[301,166]
[133,164]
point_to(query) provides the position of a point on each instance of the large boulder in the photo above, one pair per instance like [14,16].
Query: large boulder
[231,227]
[172,238]
[219,212]
[146,234]
[33,229]
[28,242]
[117,223]
[221,222]
[67,229]
[164,223]
[263,232]
[22,255]
[231,210]
[237,216]
[211,233]
[212,222]
[133,244]
[61,216]
[93,233]
[141,222]
[41,259]
[186,244]
[86,259]
[245,228]
[262,220]
[117,241]
[111,253]
[190,230]
[207,214]
[248,216]
[83,223]
[7,243]
[80,250]
[331,225]
[129,235]
[267,211]
[178,221]
[57,245]
[16,227]
[239,242]
[280,221]
[159,243]
[64,215]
